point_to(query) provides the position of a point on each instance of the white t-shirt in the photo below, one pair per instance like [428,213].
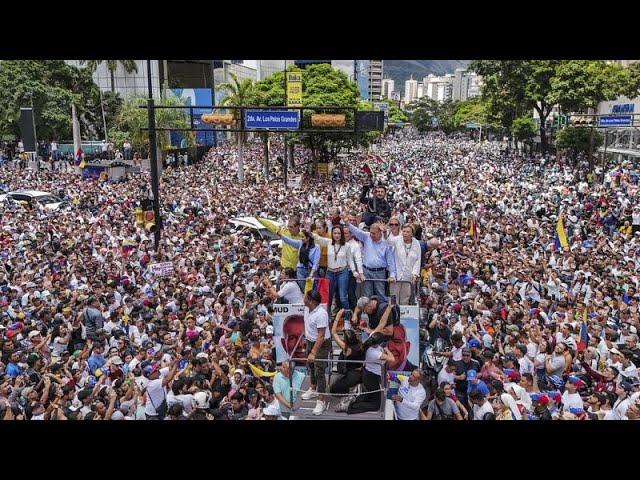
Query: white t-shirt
[373,355]
[526,365]
[479,412]
[444,376]
[412,398]
[572,400]
[186,400]
[155,395]
[315,320]
[291,292]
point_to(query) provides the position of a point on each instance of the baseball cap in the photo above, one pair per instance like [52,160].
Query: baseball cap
[473,343]
[34,333]
[269,330]
[117,360]
[471,374]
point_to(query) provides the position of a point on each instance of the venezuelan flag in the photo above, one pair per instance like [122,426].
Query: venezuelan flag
[561,237]
[473,230]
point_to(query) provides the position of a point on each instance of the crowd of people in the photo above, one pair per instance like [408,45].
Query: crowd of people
[467,232]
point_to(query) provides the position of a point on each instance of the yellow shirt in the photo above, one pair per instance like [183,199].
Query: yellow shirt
[289,257]
[323,252]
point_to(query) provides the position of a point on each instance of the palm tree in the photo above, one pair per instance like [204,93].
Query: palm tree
[128,65]
[238,95]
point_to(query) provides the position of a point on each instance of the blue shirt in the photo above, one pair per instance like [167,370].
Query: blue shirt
[375,254]
[281,386]
[13,370]
[480,386]
[95,363]
[314,253]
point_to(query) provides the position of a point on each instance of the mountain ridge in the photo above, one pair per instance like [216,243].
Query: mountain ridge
[401,70]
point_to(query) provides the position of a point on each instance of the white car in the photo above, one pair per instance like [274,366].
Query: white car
[257,229]
[49,200]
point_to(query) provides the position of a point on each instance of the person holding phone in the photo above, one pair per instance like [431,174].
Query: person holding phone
[350,374]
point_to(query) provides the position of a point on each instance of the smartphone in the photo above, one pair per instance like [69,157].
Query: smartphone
[346,317]
[393,299]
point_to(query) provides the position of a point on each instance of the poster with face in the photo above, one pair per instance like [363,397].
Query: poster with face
[405,342]
[288,329]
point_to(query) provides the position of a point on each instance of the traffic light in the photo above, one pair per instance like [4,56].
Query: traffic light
[139,215]
[327,120]
[148,215]
[218,119]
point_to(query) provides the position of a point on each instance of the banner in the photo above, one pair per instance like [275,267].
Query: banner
[188,97]
[288,331]
[162,269]
[405,342]
[294,89]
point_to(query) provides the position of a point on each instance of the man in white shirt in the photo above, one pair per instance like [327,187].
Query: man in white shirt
[571,398]
[155,391]
[289,290]
[318,339]
[525,364]
[407,255]
[481,405]
[447,374]
[409,398]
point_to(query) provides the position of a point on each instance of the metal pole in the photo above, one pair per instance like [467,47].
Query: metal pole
[604,156]
[153,159]
[104,118]
[286,101]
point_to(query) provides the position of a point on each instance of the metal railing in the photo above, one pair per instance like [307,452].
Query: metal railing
[383,378]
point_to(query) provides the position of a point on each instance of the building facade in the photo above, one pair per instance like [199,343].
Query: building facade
[376,71]
[126,84]
[438,88]
[388,87]
[466,84]
[410,91]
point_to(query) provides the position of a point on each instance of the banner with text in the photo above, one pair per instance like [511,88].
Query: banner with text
[294,89]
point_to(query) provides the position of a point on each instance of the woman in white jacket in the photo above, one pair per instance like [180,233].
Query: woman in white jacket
[407,253]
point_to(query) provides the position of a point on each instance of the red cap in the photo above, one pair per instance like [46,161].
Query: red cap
[543,400]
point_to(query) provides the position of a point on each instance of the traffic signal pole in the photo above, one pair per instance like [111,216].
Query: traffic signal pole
[153,158]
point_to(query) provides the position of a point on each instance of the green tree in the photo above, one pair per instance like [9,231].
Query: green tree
[324,86]
[50,86]
[132,123]
[523,129]
[473,110]
[238,94]
[445,115]
[423,113]
[580,85]
[129,66]
[577,139]
[512,88]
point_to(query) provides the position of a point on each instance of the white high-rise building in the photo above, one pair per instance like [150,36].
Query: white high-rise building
[420,89]
[388,86]
[438,88]
[410,91]
[466,84]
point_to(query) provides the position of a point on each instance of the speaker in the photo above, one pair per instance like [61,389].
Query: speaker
[27,129]
[368,121]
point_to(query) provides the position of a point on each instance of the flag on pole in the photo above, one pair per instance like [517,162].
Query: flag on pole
[584,337]
[561,237]
[77,139]
[473,229]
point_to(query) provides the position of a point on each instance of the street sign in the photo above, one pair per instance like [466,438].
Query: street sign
[615,121]
[382,107]
[471,125]
[162,269]
[272,119]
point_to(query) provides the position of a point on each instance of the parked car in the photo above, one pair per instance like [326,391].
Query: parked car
[31,197]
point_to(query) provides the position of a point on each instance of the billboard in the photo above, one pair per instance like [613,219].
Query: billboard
[294,89]
[193,96]
[272,119]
